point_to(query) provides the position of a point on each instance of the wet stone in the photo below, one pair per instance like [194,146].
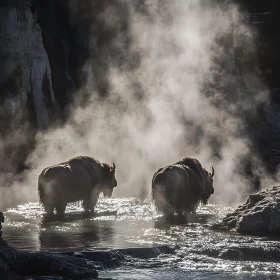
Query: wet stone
[249,253]
[27,264]
[230,254]
[108,259]
[144,253]
[258,216]
[13,262]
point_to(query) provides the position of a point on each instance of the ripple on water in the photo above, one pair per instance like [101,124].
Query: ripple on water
[138,224]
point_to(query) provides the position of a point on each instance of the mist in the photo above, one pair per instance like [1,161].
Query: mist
[180,81]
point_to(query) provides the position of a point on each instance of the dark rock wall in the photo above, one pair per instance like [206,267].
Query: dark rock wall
[264,15]
[59,43]
[25,68]
[27,100]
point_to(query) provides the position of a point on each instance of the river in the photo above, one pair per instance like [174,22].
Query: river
[199,252]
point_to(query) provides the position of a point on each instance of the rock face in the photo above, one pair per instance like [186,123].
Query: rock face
[25,69]
[27,101]
[260,215]
[42,53]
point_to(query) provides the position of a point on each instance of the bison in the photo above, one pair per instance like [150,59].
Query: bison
[80,178]
[181,186]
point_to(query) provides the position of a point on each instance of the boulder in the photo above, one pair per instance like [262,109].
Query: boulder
[49,264]
[259,215]
[13,262]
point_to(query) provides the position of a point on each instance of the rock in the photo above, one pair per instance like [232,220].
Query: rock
[260,215]
[8,255]
[145,253]
[114,258]
[251,253]
[44,264]
[25,71]
[7,258]
[2,220]
[27,101]
[4,270]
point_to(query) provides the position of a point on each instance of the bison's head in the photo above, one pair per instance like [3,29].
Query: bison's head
[208,187]
[109,180]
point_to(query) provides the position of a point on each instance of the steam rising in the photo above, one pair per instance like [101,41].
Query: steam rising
[179,85]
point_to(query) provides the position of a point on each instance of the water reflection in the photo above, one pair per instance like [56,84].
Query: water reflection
[69,217]
[74,216]
[137,224]
[163,222]
[201,218]
[76,236]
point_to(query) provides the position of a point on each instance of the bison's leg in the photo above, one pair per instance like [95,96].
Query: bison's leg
[49,209]
[191,213]
[89,204]
[86,205]
[92,203]
[93,198]
[60,210]
[168,212]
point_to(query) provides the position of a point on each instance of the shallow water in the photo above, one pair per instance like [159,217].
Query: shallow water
[138,224]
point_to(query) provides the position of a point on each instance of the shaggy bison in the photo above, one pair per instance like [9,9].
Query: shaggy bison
[180,187]
[80,178]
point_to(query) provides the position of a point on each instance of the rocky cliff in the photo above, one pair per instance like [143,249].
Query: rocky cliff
[27,98]
[25,79]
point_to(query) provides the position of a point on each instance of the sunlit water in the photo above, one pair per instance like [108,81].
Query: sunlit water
[138,224]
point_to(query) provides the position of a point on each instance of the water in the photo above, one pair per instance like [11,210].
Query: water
[138,224]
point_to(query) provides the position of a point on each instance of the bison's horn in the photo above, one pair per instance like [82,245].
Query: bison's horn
[114,166]
[213,172]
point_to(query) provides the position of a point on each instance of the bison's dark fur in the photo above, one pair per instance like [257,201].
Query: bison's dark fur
[180,187]
[80,178]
